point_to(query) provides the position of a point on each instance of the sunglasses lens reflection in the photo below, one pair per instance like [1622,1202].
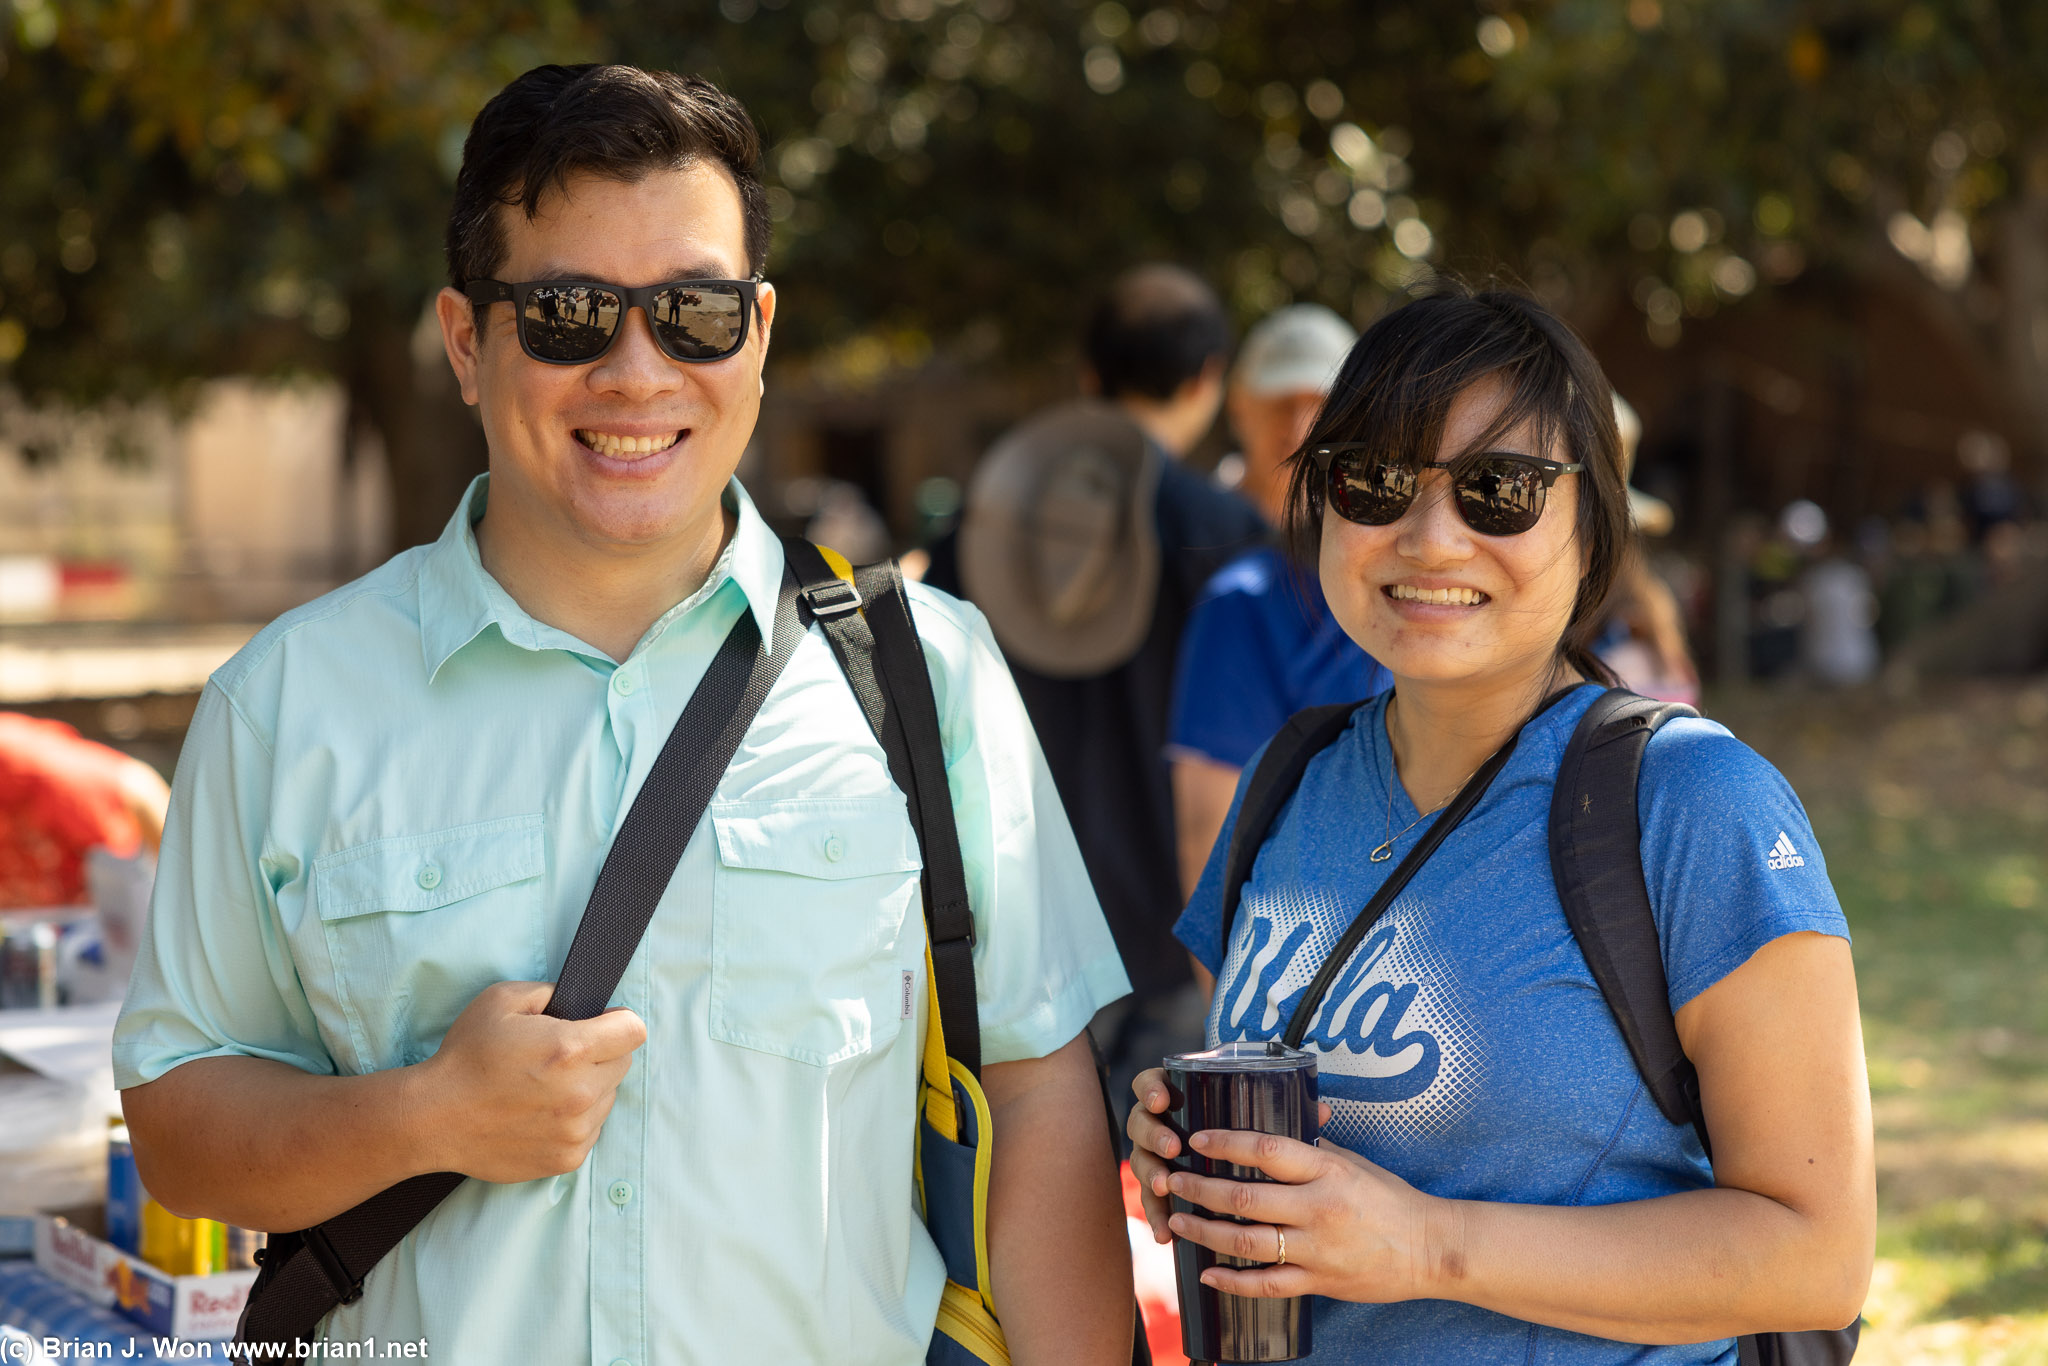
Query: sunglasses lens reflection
[1501,497]
[698,322]
[1496,497]
[570,322]
[1370,489]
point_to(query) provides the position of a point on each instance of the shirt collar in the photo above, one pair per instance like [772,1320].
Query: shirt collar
[458,598]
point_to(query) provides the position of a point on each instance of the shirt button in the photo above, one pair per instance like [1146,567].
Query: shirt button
[622,683]
[835,849]
[429,877]
[619,1192]
[621,1361]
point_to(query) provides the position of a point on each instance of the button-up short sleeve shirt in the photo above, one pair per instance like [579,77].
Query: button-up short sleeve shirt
[401,793]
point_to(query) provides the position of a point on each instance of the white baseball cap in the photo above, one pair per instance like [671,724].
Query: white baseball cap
[1296,350]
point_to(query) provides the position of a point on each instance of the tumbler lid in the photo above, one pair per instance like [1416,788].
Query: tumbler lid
[1268,1055]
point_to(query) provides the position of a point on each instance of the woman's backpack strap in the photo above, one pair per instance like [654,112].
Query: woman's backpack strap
[1307,733]
[1596,856]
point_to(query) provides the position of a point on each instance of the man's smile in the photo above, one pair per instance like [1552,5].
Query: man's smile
[624,447]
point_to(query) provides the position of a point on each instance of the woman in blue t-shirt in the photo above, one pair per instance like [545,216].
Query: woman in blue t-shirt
[1493,1184]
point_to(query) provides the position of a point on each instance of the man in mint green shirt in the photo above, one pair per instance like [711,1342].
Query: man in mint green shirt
[393,803]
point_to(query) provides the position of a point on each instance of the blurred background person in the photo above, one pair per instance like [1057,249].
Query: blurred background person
[1644,640]
[1838,628]
[1261,643]
[1087,542]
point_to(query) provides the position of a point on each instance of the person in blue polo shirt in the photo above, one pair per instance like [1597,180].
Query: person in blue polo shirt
[1261,643]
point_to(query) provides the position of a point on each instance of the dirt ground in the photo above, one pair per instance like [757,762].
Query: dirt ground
[1933,815]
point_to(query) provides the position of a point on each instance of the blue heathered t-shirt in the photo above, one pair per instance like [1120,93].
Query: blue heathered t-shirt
[1261,645]
[1466,1047]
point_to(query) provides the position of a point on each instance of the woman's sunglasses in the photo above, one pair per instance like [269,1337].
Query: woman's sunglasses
[573,322]
[1500,493]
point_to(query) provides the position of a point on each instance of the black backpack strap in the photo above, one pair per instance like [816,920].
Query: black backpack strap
[1596,857]
[869,627]
[875,640]
[1439,830]
[307,1274]
[1307,733]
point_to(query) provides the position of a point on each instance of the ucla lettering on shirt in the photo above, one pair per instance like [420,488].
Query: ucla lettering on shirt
[1401,1059]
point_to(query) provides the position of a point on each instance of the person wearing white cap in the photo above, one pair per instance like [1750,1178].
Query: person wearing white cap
[1261,644]
[1283,374]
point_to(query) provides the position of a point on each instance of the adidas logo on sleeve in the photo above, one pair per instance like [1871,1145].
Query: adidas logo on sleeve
[1783,855]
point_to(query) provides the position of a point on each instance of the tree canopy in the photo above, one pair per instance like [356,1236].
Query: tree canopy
[255,185]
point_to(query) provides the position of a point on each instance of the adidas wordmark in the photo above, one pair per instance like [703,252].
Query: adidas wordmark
[1783,855]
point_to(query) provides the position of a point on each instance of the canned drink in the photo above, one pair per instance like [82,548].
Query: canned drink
[28,967]
[124,1193]
[243,1245]
[182,1247]
[165,1239]
[1266,1088]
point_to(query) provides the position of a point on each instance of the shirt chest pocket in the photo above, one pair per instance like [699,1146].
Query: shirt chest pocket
[417,925]
[807,937]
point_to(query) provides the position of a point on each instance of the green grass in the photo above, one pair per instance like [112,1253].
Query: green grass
[1933,814]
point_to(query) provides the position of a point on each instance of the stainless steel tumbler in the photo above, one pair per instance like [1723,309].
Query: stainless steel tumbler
[1267,1088]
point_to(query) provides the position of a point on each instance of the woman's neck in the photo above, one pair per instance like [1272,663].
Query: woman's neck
[1443,731]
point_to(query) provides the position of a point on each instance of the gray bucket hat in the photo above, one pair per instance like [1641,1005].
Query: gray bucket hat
[1058,545]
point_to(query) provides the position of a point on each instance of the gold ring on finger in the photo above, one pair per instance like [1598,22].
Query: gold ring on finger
[1281,1234]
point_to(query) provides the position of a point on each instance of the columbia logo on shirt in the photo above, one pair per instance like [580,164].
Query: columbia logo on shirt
[1783,855]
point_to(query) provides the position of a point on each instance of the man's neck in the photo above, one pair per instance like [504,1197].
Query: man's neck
[1166,421]
[607,596]
[1265,488]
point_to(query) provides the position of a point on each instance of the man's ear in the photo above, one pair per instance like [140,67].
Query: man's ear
[764,309]
[461,339]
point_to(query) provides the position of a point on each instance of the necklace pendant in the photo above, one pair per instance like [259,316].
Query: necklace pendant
[1383,853]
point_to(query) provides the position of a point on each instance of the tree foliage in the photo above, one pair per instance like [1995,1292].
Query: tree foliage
[247,185]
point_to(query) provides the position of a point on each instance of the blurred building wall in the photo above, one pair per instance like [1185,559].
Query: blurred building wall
[236,510]
[270,514]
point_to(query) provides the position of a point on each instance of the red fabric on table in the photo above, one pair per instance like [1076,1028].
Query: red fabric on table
[60,795]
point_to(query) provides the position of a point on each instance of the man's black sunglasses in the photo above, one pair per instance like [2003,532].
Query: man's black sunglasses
[573,322]
[1499,493]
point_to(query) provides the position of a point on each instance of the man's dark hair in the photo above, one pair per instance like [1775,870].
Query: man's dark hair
[1154,331]
[618,122]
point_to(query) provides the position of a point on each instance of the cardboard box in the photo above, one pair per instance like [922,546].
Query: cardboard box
[71,1248]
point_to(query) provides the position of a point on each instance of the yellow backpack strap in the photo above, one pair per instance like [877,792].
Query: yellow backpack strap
[938,1080]
[840,565]
[939,1105]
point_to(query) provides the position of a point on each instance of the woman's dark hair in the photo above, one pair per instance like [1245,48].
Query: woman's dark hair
[1396,389]
[618,122]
